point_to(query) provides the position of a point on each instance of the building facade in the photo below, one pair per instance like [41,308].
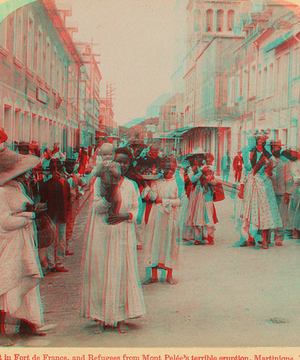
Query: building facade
[41,70]
[241,74]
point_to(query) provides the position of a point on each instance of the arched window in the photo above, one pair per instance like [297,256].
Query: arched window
[230,20]
[209,20]
[220,16]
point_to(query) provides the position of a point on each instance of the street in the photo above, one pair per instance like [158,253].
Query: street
[226,296]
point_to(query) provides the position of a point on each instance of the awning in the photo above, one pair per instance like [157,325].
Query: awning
[167,135]
[181,132]
[277,42]
[176,133]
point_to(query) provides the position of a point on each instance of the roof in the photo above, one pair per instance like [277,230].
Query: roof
[59,24]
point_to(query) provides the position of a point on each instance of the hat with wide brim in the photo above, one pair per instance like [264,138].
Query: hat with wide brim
[195,152]
[13,164]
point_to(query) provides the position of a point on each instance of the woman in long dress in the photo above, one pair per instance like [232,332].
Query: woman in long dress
[260,213]
[195,221]
[19,264]
[111,289]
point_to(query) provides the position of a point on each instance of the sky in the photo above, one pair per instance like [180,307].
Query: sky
[136,40]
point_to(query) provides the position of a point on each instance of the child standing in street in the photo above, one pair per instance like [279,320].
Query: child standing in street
[162,248]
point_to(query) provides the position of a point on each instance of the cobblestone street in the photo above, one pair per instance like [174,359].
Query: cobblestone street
[226,296]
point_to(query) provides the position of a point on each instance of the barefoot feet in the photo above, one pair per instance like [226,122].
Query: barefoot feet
[98,328]
[4,340]
[149,281]
[170,281]
[122,328]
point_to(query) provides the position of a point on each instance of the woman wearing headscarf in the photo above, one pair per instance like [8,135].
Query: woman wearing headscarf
[19,264]
[260,212]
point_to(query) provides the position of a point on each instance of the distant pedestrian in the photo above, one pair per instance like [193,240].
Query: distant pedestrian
[238,166]
[225,166]
[46,157]
[83,161]
[56,153]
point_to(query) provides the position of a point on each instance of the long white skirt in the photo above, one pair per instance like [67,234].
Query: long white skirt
[111,286]
[162,247]
[20,275]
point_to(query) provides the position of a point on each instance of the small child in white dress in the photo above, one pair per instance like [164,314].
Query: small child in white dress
[162,247]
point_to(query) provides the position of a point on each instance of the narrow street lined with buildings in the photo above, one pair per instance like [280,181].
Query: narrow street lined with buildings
[170,118]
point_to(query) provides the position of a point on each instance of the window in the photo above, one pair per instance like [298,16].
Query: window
[259,84]
[18,34]
[231,91]
[209,20]
[196,20]
[220,16]
[285,77]
[30,42]
[225,88]
[245,83]
[63,77]
[230,20]
[4,32]
[271,77]
[252,81]
[265,81]
[296,62]
[58,76]
[48,61]
[39,52]
[53,72]
[239,83]
[278,66]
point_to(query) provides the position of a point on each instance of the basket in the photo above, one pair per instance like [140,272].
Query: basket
[46,231]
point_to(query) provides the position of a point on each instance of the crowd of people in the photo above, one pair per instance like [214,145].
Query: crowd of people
[139,199]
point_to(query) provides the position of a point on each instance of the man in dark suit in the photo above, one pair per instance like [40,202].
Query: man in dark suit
[238,166]
[52,192]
